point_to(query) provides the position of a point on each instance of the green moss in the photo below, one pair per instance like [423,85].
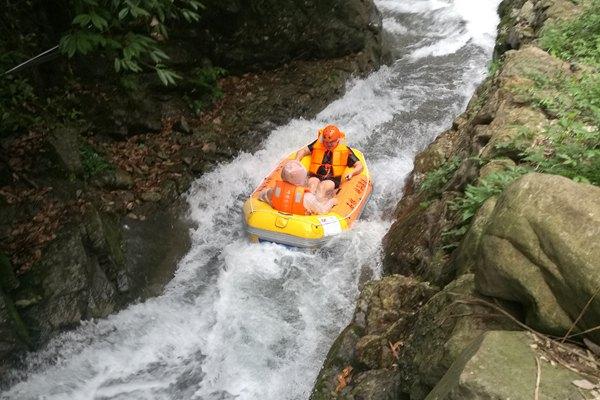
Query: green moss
[482,94]
[113,238]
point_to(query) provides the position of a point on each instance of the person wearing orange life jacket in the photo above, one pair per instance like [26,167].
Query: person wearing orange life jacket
[290,194]
[329,159]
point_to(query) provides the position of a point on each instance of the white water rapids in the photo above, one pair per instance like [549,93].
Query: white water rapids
[255,321]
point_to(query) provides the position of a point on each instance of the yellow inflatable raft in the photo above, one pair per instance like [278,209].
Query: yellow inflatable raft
[263,223]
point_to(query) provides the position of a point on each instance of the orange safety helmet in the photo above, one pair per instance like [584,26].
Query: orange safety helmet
[331,132]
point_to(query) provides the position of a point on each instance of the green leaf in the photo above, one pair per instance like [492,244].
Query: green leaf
[166,76]
[82,20]
[67,45]
[162,77]
[99,22]
[158,55]
[123,13]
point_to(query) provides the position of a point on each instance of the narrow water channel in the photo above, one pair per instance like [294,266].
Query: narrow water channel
[255,321]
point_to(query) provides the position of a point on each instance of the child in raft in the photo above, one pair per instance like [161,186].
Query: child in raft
[292,196]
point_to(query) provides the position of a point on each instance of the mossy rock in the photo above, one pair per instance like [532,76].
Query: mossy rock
[540,248]
[380,384]
[502,365]
[383,315]
[466,258]
[495,166]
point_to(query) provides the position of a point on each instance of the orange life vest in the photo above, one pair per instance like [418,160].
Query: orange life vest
[288,198]
[339,159]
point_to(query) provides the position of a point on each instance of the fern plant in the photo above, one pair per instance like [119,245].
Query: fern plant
[435,180]
[492,185]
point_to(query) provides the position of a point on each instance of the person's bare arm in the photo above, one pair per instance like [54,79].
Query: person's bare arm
[356,169]
[301,153]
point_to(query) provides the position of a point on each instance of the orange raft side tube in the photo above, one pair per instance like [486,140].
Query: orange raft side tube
[262,222]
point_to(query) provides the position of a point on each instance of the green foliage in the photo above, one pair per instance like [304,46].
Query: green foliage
[578,39]
[16,105]
[452,237]
[93,163]
[129,31]
[491,185]
[572,150]
[473,198]
[203,88]
[17,97]
[571,147]
[436,179]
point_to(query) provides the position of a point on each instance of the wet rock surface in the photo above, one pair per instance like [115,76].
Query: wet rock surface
[77,279]
[14,336]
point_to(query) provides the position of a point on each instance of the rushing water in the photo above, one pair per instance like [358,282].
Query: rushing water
[254,321]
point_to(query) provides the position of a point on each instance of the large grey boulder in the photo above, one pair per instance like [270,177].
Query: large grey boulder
[66,286]
[81,275]
[502,365]
[541,248]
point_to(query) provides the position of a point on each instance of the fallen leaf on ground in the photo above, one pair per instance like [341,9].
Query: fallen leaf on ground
[394,348]
[343,379]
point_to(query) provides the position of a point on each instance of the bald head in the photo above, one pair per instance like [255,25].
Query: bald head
[293,172]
